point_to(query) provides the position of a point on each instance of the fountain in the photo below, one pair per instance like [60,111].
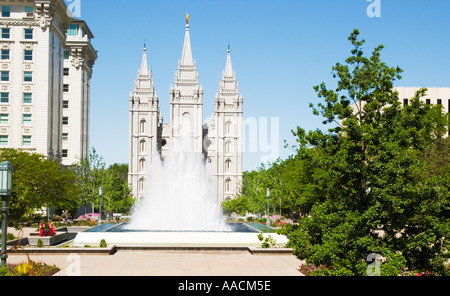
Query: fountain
[179,196]
[180,207]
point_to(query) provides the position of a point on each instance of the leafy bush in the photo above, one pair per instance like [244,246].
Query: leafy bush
[39,243]
[267,242]
[103,244]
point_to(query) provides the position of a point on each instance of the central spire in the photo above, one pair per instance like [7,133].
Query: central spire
[144,65]
[228,67]
[186,57]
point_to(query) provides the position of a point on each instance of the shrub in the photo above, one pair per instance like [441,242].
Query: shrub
[103,243]
[39,243]
[268,242]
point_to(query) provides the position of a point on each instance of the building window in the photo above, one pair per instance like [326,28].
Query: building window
[142,165]
[428,101]
[65,121]
[65,104]
[27,76]
[439,101]
[66,54]
[28,55]
[28,33]
[142,146]
[65,153]
[142,127]
[4,118]
[66,71]
[4,98]
[72,30]
[228,147]
[6,11]
[228,185]
[65,88]
[65,137]
[141,184]
[228,128]
[3,140]
[405,102]
[5,76]
[6,33]
[26,119]
[228,166]
[5,54]
[26,141]
[27,98]
[29,11]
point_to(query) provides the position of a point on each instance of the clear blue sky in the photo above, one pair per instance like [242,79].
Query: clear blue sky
[280,50]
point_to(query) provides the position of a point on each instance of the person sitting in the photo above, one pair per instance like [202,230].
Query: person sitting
[41,228]
[51,228]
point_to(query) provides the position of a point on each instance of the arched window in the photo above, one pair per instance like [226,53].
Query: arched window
[228,185]
[228,128]
[141,184]
[142,146]
[228,165]
[142,165]
[142,126]
[228,147]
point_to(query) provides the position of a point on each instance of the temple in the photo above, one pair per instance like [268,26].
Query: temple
[220,142]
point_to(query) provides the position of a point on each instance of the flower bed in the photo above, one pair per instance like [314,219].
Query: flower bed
[323,270]
[29,269]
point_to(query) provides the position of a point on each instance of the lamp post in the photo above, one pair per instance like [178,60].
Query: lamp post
[100,191]
[6,172]
[268,217]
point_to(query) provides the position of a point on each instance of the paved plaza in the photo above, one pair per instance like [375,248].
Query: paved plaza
[169,263]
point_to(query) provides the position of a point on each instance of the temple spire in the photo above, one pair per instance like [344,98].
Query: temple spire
[228,67]
[186,57]
[144,65]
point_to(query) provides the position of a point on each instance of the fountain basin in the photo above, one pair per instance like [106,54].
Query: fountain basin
[122,237]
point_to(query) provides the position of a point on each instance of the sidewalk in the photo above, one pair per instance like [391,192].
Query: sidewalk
[169,263]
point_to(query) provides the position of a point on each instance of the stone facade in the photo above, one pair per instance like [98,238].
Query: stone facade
[32,109]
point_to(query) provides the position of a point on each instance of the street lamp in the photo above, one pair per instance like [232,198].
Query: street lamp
[268,217]
[6,172]
[100,191]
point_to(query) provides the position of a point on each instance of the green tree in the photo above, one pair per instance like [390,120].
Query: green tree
[253,199]
[249,199]
[116,192]
[373,167]
[37,182]
[304,184]
[90,176]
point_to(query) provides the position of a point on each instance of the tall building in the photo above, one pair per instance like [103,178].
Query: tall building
[79,59]
[34,52]
[220,143]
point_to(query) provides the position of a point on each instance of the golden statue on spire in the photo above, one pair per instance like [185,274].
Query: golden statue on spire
[187,18]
